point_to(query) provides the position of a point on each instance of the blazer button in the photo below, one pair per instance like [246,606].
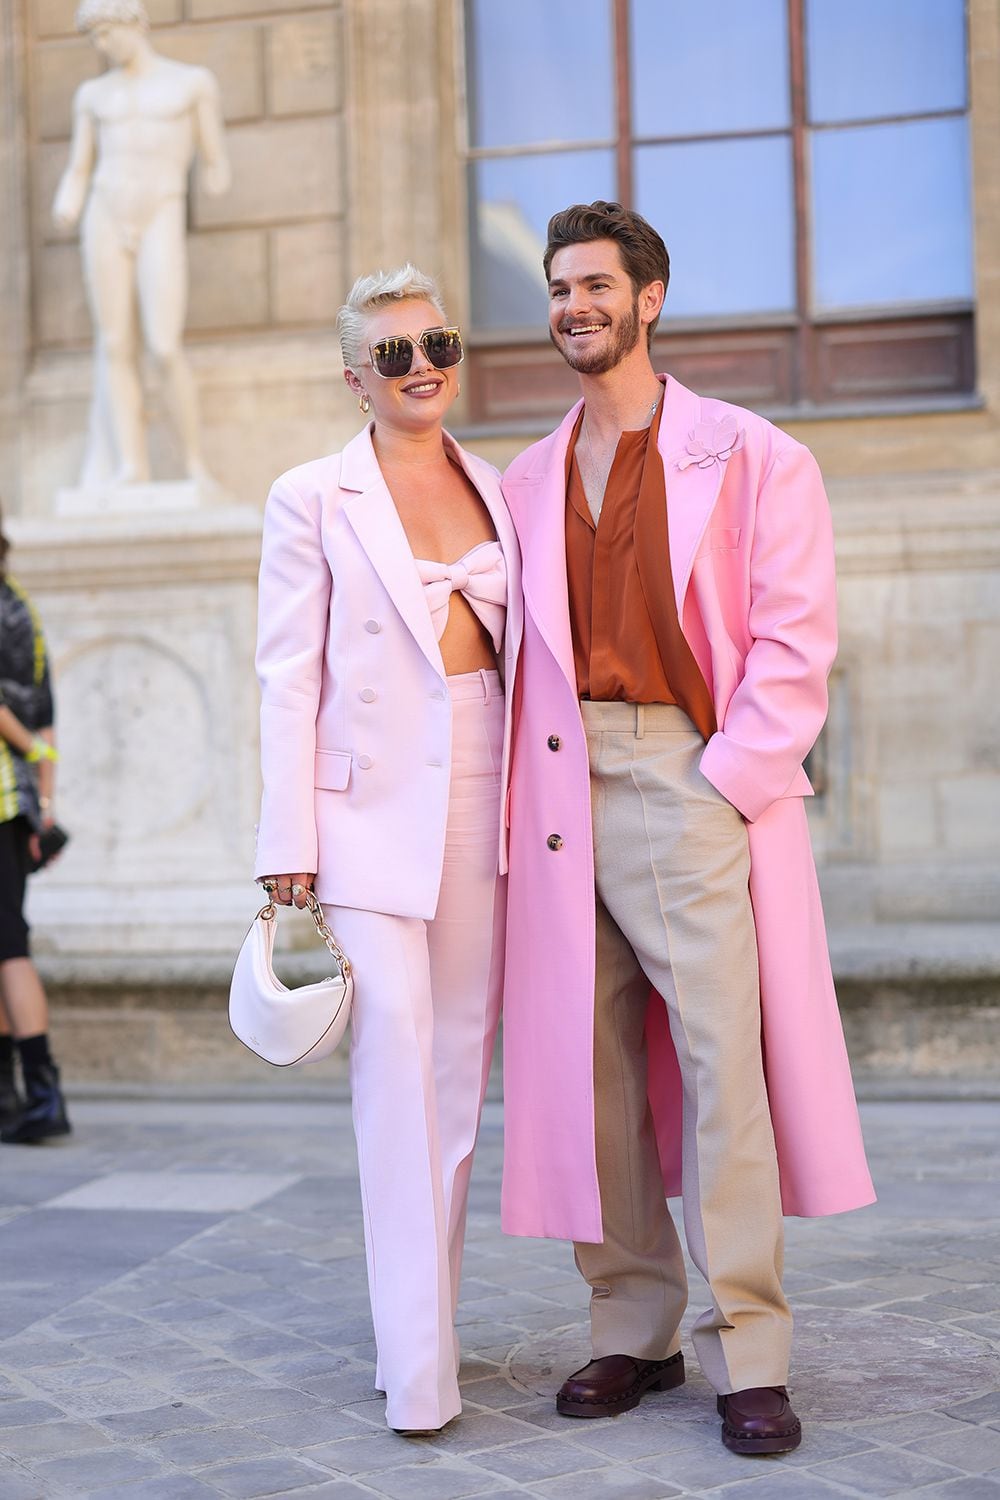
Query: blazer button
[373,627]
[554,742]
[554,841]
[365,762]
[368,695]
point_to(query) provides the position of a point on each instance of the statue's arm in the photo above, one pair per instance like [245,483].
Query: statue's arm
[72,190]
[214,174]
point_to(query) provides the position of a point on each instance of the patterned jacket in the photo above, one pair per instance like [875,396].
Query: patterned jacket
[26,690]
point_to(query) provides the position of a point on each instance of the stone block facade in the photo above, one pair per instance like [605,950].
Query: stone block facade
[345,121]
[919,578]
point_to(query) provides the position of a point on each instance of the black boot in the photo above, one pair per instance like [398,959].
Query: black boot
[44,1114]
[11,1103]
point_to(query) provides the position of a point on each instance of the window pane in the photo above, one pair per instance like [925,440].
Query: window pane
[539,73]
[725,209]
[512,202]
[892,57]
[892,214]
[700,68]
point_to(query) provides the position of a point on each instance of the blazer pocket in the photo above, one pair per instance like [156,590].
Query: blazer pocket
[719,539]
[333,769]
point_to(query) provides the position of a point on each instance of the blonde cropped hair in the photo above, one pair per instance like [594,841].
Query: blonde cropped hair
[91,13]
[369,293]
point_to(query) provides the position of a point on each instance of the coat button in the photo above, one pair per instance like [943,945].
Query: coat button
[368,695]
[554,841]
[365,762]
[373,627]
[554,742]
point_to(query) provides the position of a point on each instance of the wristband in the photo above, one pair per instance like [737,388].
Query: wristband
[40,750]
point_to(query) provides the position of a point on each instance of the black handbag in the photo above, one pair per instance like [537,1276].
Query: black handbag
[50,841]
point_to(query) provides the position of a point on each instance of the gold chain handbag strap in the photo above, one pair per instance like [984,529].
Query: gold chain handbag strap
[270,911]
[316,912]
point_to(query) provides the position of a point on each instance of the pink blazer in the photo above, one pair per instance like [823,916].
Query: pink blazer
[752,571]
[355,720]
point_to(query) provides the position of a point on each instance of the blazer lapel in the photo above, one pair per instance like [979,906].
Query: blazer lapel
[376,524]
[487,483]
[691,491]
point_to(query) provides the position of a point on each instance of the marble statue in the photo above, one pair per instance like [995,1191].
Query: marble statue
[136,131]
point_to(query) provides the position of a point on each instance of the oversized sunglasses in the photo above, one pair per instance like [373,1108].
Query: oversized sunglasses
[392,357]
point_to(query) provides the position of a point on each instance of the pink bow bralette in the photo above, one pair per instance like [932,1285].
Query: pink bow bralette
[480,575]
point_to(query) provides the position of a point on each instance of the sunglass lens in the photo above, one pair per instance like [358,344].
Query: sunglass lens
[443,347]
[393,357]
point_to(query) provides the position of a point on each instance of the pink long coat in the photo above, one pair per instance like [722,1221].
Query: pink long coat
[751,554]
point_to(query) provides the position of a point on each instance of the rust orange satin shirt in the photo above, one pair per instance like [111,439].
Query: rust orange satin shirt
[627,641]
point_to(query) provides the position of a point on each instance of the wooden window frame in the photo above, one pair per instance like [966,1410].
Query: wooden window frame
[801,362]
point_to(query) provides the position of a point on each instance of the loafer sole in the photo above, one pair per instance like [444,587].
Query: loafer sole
[738,1442]
[666,1379]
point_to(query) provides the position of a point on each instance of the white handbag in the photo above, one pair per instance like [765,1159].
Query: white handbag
[286,1026]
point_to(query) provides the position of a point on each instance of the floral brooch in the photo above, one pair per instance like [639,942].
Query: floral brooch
[712,443]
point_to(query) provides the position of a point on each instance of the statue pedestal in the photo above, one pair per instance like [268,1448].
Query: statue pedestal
[128,499]
[150,619]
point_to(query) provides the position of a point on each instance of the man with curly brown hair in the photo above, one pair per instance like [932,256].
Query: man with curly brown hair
[680,622]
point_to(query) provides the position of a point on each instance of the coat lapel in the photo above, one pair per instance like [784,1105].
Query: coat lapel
[652,540]
[376,524]
[538,504]
[692,491]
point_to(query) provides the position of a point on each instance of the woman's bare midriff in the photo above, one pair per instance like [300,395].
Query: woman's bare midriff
[465,645]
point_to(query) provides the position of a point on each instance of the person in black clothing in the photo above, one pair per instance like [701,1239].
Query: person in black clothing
[27,781]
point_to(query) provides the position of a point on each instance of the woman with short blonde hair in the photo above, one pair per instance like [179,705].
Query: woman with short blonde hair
[389,622]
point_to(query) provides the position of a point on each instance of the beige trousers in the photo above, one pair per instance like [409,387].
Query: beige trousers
[673,909]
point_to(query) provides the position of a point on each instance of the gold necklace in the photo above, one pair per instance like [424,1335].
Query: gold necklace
[595,473]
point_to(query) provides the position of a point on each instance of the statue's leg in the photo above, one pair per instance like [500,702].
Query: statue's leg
[109,273]
[162,281]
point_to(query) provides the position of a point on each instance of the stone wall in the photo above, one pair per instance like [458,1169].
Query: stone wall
[919,577]
[345,126]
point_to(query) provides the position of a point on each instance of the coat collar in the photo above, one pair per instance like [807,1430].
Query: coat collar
[538,498]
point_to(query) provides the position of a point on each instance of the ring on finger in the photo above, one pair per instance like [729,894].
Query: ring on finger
[298,890]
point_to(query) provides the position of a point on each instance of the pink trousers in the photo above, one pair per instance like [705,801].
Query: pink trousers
[426,1006]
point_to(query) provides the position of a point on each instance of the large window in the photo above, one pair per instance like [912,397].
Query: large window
[807,162]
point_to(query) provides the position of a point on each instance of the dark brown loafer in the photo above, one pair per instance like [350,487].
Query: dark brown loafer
[616,1383]
[759,1420]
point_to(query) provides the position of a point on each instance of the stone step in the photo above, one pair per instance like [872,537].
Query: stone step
[920,1003]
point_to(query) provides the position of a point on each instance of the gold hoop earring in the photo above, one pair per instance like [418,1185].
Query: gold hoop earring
[365,403]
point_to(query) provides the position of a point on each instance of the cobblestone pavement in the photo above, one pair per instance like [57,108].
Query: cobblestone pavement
[183,1314]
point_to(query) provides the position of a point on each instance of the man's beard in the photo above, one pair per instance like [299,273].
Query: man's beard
[600,361]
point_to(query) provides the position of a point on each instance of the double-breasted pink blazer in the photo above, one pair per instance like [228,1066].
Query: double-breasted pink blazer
[355,709]
[752,570]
